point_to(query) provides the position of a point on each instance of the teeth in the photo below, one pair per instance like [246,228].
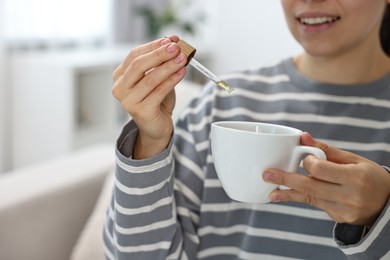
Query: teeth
[317,20]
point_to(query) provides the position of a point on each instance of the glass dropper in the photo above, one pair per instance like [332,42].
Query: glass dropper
[189,51]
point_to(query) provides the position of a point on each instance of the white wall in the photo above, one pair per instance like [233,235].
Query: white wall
[248,33]
[3,104]
[238,34]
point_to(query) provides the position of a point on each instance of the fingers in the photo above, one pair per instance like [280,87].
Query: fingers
[144,63]
[139,51]
[140,67]
[350,188]
[338,166]
[168,72]
[174,38]
[358,202]
[293,195]
[161,91]
[334,210]
[326,171]
[309,189]
[166,61]
[142,100]
[332,154]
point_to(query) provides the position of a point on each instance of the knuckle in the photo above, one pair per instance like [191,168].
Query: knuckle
[311,200]
[312,165]
[135,52]
[161,90]
[133,55]
[363,180]
[149,80]
[317,165]
[136,64]
[308,188]
[356,202]
[115,91]
[161,54]
[360,185]
[117,72]
[173,79]
[309,191]
[283,180]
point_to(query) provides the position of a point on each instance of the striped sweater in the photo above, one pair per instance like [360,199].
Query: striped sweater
[172,206]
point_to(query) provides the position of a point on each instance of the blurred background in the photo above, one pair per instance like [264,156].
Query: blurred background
[56,59]
[59,121]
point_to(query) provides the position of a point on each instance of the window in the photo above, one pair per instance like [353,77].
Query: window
[48,23]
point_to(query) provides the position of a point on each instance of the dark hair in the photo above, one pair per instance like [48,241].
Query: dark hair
[385,31]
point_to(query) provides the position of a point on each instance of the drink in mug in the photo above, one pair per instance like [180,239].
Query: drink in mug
[242,151]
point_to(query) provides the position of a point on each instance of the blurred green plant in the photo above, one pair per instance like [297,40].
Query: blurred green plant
[157,20]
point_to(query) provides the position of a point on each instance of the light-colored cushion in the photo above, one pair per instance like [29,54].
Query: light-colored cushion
[44,207]
[90,242]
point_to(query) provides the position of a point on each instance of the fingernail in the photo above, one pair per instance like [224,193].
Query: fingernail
[308,134]
[179,58]
[172,47]
[181,71]
[276,198]
[165,41]
[269,176]
[310,140]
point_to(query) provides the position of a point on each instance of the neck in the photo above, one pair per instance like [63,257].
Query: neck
[354,67]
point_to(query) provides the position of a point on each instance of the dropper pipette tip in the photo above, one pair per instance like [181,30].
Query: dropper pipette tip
[225,86]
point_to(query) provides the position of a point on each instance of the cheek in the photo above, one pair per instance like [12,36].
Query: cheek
[288,7]
[289,17]
[364,21]
[365,14]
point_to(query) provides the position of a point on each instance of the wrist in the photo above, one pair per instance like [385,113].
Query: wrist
[148,147]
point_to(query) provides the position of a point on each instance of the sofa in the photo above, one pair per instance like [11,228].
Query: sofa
[54,210]
[45,207]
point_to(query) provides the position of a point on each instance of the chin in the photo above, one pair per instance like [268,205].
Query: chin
[319,50]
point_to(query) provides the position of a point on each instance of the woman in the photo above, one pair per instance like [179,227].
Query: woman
[167,201]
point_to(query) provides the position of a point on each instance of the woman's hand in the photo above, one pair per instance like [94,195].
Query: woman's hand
[350,188]
[144,85]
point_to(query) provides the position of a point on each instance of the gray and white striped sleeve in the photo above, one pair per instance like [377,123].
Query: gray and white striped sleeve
[143,221]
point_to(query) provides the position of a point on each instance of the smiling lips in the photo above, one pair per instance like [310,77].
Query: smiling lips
[318,20]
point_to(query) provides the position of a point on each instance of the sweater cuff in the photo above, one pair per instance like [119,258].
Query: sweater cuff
[126,142]
[346,234]
[358,242]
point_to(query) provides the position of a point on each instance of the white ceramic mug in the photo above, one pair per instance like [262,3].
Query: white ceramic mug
[242,151]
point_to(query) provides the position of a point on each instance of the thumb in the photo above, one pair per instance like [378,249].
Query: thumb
[332,154]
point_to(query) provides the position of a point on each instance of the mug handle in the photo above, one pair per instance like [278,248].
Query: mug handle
[301,150]
[296,157]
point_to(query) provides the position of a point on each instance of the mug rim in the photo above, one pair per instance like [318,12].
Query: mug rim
[222,125]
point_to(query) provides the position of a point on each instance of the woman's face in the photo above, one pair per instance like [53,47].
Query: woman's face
[332,27]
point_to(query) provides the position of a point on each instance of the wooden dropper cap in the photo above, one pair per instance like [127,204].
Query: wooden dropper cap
[187,50]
